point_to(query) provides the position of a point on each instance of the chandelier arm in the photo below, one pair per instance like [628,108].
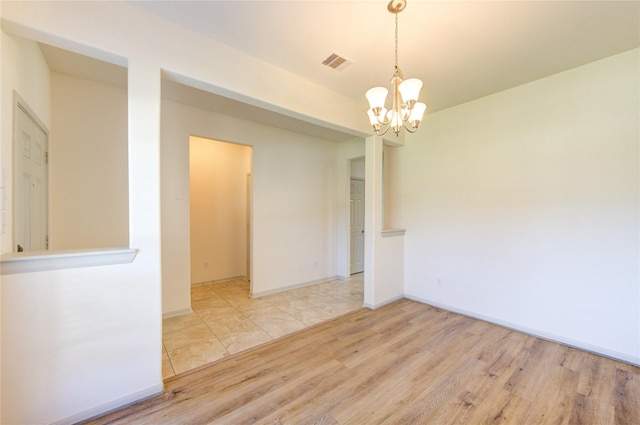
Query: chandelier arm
[383,122]
[404,124]
[382,133]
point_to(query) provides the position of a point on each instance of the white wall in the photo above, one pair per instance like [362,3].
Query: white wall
[525,205]
[88,152]
[357,168]
[94,340]
[218,209]
[77,342]
[25,71]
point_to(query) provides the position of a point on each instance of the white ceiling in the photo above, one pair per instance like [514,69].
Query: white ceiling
[462,50]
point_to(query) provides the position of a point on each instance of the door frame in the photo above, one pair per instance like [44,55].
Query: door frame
[249,224]
[20,104]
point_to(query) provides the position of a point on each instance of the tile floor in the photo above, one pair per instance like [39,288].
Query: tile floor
[225,320]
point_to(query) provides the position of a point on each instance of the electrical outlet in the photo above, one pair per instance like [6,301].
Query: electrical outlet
[206,264]
[440,282]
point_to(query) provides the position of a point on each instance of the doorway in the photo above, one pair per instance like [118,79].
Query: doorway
[220,194]
[31,180]
[226,319]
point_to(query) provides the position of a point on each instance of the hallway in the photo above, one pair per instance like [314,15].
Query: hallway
[225,320]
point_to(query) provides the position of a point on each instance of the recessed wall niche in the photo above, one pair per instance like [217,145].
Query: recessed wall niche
[88,143]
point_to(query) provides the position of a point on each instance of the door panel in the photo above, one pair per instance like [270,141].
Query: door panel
[357,226]
[31,215]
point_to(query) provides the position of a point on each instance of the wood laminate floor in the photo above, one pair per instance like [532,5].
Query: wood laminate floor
[406,363]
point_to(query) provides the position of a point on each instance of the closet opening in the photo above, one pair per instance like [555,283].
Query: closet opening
[219,210]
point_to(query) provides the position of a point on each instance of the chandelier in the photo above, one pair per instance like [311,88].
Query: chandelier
[406,111]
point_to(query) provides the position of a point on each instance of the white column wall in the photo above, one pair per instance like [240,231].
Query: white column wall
[77,342]
[383,254]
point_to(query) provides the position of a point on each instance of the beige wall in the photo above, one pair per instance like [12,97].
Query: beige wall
[89,169]
[218,209]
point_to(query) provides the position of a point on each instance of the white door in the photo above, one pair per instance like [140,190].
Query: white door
[357,226]
[31,188]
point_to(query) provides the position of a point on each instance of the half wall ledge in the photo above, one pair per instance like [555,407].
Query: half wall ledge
[12,263]
[393,232]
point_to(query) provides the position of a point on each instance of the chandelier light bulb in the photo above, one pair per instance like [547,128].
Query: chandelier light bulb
[410,89]
[395,120]
[376,97]
[416,114]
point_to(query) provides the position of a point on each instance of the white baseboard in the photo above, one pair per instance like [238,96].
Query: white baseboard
[294,286]
[383,303]
[112,406]
[177,313]
[580,345]
[226,279]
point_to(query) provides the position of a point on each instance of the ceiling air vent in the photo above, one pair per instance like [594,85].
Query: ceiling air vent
[336,62]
